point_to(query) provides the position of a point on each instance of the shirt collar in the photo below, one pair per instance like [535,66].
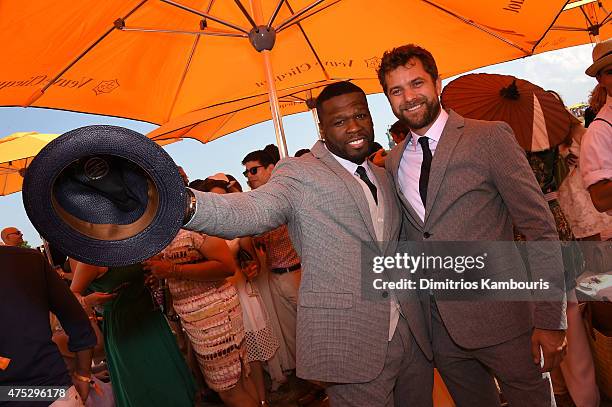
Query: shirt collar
[435,131]
[348,165]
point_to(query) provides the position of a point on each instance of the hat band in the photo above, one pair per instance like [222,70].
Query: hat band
[109,231]
[604,55]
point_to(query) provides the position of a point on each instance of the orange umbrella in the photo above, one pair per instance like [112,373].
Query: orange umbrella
[539,120]
[212,122]
[580,22]
[17,152]
[156,60]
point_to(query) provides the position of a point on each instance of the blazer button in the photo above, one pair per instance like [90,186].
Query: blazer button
[426,235]
[385,294]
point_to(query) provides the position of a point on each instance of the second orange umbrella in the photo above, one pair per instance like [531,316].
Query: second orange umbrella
[539,120]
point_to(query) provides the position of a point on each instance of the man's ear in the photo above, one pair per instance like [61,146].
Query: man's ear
[439,86]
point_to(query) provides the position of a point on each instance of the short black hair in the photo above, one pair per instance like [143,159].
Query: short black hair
[375,147]
[273,151]
[197,184]
[302,151]
[336,89]
[400,56]
[206,185]
[260,156]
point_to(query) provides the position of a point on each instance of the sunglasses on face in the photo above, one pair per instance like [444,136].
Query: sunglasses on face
[252,170]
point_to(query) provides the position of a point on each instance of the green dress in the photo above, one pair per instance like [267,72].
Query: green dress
[145,364]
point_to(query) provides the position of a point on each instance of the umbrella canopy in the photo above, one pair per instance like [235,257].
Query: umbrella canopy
[539,120]
[580,22]
[17,152]
[212,122]
[157,60]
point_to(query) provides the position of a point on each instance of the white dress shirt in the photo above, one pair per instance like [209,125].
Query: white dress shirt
[596,148]
[410,164]
[377,213]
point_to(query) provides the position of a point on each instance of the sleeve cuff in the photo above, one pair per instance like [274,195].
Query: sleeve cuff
[592,177]
[191,208]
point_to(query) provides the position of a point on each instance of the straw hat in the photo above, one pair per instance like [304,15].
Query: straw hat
[105,195]
[602,57]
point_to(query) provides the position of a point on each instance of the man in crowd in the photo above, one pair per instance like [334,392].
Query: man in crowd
[337,206]
[398,134]
[29,290]
[12,236]
[596,147]
[398,131]
[466,180]
[283,261]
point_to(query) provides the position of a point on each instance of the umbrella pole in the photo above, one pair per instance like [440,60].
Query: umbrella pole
[264,45]
[315,118]
[311,103]
[274,106]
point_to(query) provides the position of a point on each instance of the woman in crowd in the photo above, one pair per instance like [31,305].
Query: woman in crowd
[597,100]
[196,267]
[260,339]
[145,364]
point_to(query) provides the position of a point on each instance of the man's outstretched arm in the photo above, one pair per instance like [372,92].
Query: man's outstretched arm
[249,213]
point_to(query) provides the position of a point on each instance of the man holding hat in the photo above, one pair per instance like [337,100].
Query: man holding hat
[596,148]
[339,210]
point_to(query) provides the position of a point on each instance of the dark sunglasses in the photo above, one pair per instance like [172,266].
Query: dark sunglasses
[252,170]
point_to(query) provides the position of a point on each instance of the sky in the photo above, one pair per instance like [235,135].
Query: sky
[562,71]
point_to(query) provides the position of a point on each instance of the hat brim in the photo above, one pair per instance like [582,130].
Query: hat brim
[119,142]
[598,65]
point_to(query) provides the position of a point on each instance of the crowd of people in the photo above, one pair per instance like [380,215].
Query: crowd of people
[261,285]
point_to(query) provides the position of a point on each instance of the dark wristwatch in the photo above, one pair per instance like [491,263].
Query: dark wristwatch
[190,206]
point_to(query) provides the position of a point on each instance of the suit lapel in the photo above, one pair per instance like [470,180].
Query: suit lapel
[395,164]
[319,151]
[390,217]
[448,140]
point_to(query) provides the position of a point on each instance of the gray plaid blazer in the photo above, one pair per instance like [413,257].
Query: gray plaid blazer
[342,337]
[481,184]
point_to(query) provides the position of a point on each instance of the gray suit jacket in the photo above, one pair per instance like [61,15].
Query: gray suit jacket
[479,185]
[341,336]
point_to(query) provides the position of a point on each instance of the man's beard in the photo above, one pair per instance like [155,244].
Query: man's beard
[432,109]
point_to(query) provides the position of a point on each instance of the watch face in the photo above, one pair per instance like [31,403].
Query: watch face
[190,207]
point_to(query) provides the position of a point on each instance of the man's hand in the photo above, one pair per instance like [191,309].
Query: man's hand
[553,345]
[82,388]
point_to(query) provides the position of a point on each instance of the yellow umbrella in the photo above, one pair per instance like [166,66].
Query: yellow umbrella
[156,60]
[17,152]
